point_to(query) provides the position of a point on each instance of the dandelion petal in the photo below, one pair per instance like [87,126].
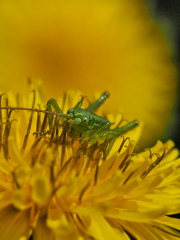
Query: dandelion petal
[14,223]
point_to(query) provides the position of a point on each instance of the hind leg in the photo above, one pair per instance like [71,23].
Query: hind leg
[112,134]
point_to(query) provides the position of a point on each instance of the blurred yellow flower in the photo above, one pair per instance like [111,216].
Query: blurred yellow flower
[93,46]
[53,188]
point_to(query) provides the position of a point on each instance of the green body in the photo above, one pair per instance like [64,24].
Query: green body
[84,124]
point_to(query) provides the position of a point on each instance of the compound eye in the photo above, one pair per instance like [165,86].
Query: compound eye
[85,120]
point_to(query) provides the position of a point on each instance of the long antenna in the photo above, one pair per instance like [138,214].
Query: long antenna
[36,110]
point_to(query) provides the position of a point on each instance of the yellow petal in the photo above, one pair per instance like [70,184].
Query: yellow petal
[169,221]
[14,223]
[100,229]
[42,231]
[136,216]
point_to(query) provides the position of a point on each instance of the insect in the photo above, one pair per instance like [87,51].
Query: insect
[83,124]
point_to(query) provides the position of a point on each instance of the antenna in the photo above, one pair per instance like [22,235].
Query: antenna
[36,110]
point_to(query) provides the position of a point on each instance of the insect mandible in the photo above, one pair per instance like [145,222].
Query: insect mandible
[83,123]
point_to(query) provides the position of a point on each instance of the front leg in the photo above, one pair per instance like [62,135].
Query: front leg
[52,104]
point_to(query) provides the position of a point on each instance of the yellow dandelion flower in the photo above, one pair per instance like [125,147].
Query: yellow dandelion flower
[92,45]
[54,188]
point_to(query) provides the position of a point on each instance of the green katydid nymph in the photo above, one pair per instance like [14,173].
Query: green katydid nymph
[83,124]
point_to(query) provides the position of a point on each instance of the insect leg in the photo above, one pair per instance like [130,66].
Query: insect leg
[51,103]
[119,131]
[93,107]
